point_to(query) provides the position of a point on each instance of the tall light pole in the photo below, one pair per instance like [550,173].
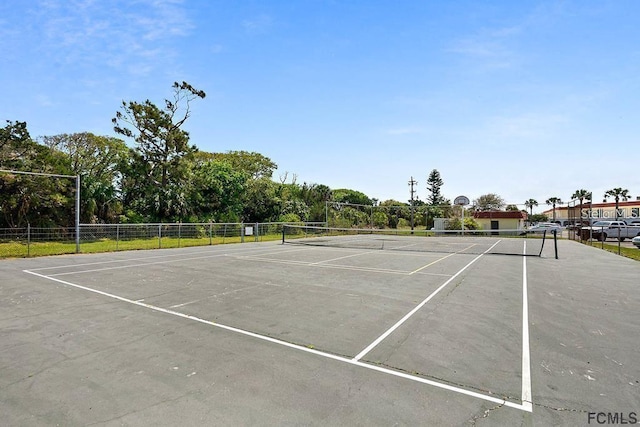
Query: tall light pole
[54,175]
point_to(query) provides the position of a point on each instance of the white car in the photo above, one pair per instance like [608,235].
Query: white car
[545,226]
[636,241]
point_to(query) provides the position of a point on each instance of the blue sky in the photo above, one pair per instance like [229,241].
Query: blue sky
[526,99]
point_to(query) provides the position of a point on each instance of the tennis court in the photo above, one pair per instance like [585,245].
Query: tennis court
[272,333]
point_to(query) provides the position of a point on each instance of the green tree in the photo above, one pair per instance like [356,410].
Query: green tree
[617,194]
[260,201]
[344,195]
[379,219]
[538,218]
[295,207]
[162,153]
[553,201]
[434,183]
[35,200]
[216,192]
[489,202]
[581,195]
[530,204]
[255,165]
[99,161]
[316,197]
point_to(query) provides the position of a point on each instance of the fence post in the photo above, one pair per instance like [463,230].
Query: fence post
[28,240]
[257,232]
[210,238]
[179,232]
[117,235]
[159,236]
[241,232]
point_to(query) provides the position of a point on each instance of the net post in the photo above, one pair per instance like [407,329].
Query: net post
[555,242]
[284,226]
[77,219]
[544,239]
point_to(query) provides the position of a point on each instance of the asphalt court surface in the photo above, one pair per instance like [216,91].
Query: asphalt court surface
[268,333]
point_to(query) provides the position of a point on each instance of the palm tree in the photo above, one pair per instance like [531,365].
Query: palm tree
[553,201]
[581,195]
[617,193]
[530,204]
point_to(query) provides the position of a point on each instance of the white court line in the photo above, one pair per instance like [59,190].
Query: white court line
[430,264]
[214,251]
[119,267]
[111,261]
[527,397]
[343,257]
[418,307]
[293,346]
[334,266]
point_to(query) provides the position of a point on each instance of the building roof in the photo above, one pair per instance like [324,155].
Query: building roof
[587,205]
[500,214]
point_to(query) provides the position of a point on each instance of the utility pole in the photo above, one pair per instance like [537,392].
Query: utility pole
[412,183]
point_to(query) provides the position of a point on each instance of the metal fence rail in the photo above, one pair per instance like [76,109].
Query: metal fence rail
[33,241]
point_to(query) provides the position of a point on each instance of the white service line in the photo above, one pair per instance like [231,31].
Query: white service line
[430,264]
[118,267]
[215,250]
[295,346]
[342,257]
[527,398]
[418,307]
[314,264]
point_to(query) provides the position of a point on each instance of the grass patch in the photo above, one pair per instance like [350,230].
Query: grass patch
[633,253]
[34,249]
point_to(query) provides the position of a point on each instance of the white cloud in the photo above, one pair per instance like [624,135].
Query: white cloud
[112,34]
[258,24]
[490,48]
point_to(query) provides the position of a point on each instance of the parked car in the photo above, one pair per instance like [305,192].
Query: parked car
[545,226]
[578,225]
[602,230]
[636,241]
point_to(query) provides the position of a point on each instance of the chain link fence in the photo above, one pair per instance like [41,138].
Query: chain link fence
[34,241]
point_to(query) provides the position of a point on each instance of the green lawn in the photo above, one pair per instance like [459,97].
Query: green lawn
[22,250]
[633,253]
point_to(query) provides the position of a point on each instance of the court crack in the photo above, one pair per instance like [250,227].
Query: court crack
[552,408]
[506,398]
[485,414]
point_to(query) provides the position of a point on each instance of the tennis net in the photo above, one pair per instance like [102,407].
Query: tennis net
[503,242]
